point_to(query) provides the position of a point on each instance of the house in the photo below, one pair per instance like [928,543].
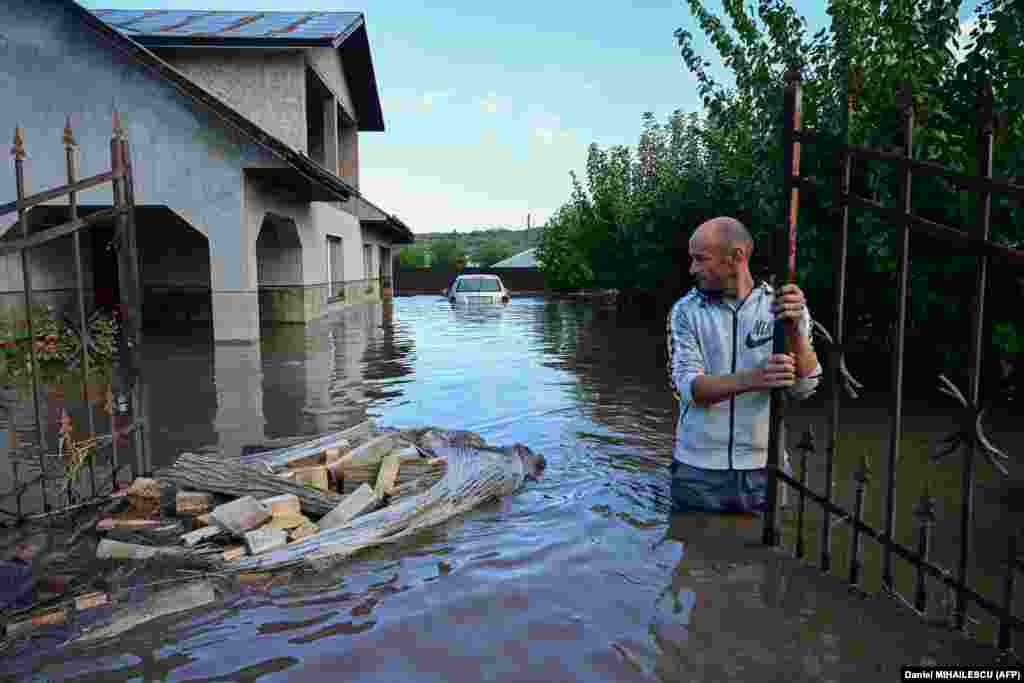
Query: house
[244,133]
[524,259]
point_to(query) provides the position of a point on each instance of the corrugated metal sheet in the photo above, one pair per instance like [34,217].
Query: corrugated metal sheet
[202,24]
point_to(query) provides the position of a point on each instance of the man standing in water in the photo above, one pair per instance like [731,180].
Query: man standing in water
[722,371]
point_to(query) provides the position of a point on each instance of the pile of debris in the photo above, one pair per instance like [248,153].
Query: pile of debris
[300,500]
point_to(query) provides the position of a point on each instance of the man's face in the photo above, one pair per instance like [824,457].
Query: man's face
[710,267]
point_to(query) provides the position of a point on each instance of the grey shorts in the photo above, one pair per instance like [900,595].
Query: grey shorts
[698,489]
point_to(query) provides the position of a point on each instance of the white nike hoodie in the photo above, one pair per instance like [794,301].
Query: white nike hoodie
[715,337]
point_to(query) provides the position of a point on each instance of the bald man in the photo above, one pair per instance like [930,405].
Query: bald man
[722,371]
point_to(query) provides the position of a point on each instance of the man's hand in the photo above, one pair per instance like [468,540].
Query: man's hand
[789,307]
[778,372]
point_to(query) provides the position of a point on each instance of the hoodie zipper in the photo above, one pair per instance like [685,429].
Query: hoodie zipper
[732,400]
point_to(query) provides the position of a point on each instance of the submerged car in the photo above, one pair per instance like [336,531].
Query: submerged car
[477,289]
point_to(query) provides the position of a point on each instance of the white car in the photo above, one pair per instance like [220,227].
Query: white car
[477,289]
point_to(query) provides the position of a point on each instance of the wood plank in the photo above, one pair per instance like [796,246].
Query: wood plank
[358,502]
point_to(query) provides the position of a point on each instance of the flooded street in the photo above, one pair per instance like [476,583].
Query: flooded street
[581,576]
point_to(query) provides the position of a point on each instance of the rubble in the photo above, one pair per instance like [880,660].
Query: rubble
[240,516]
[362,500]
[280,507]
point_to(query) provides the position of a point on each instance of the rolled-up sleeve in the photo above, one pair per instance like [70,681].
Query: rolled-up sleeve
[806,386]
[685,360]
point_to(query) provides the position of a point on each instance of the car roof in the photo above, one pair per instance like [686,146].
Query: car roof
[478,276]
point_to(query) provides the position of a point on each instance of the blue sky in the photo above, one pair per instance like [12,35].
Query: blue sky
[488,106]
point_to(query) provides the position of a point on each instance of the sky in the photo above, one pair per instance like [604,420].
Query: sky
[488,106]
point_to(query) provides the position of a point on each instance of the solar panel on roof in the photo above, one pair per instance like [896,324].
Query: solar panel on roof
[233,24]
[213,23]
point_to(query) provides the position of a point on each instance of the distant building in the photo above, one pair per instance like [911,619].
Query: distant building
[524,259]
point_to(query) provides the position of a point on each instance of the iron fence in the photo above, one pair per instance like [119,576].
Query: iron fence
[969,437]
[73,454]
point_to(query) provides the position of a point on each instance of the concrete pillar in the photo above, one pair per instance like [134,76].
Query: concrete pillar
[238,374]
[331,158]
[235,302]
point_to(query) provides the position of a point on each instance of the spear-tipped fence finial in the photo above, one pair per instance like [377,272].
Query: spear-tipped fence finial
[18,150]
[69,135]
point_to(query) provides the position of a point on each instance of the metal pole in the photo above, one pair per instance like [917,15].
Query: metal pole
[136,306]
[786,268]
[860,477]
[982,222]
[19,171]
[839,287]
[116,166]
[903,257]
[806,447]
[69,145]
[925,513]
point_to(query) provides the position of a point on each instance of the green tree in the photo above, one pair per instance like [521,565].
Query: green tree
[413,256]
[491,251]
[447,253]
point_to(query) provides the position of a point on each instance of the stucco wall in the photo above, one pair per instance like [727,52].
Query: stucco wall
[326,61]
[267,86]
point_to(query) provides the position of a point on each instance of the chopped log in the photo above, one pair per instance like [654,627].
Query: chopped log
[278,458]
[91,600]
[194,502]
[388,474]
[265,539]
[55,615]
[333,455]
[303,531]
[203,520]
[233,553]
[360,501]
[161,604]
[240,516]
[132,524]
[316,460]
[205,533]
[109,549]
[288,522]
[370,453]
[144,495]
[232,477]
[315,477]
[285,504]
[167,532]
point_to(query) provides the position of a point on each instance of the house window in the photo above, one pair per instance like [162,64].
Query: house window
[368,261]
[335,272]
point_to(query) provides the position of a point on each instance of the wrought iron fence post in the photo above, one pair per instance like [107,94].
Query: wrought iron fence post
[18,151]
[981,229]
[925,513]
[785,272]
[806,447]
[70,148]
[906,103]
[1005,640]
[861,477]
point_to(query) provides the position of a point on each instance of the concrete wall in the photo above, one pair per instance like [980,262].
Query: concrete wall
[185,157]
[266,86]
[326,61]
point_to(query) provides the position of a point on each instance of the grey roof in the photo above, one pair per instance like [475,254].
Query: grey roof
[345,31]
[317,27]
[524,259]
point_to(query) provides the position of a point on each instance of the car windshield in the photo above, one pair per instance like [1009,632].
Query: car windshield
[479,285]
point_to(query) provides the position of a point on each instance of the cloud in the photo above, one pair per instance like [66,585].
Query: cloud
[428,99]
[547,128]
[490,103]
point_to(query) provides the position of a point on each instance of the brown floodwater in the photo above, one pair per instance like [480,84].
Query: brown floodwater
[581,576]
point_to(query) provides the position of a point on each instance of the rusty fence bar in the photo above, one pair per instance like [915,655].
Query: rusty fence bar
[977,242]
[83,325]
[785,272]
[906,103]
[19,172]
[122,211]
